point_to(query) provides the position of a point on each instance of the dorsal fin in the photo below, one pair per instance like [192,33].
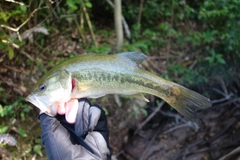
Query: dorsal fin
[133,58]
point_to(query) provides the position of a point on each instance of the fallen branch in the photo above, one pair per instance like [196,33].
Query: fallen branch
[232,154]
[143,155]
[229,102]
[27,55]
[149,117]
[177,117]
[188,124]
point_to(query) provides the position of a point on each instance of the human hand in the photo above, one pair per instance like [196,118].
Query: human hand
[69,109]
[79,132]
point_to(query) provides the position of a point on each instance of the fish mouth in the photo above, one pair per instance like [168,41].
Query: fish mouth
[36,102]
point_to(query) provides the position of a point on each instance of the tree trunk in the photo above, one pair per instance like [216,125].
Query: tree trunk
[118,23]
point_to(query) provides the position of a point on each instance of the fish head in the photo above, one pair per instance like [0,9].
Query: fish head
[51,89]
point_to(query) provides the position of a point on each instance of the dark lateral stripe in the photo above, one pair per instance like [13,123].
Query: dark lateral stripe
[147,84]
[121,78]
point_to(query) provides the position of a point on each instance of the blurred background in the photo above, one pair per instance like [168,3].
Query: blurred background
[191,42]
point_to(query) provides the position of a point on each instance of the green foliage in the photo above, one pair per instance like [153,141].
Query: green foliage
[102,49]
[223,17]
[38,149]
[26,152]
[17,14]
[210,29]
[3,129]
[141,45]
[186,76]
[73,5]
[215,59]
[106,111]
[22,132]
[218,23]
[12,109]
[137,108]
[7,110]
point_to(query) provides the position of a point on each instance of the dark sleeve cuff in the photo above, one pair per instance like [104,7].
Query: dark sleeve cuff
[49,126]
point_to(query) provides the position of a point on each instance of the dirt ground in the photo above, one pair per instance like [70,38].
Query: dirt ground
[168,136]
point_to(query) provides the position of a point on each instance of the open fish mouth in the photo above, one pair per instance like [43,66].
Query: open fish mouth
[35,101]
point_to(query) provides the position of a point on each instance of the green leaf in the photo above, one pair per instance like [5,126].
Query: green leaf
[23,8]
[3,129]
[88,4]
[106,110]
[144,111]
[22,132]
[72,4]
[1,45]
[220,59]
[4,16]
[10,52]
[38,149]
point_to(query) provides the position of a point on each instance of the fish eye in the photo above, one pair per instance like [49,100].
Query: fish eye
[42,87]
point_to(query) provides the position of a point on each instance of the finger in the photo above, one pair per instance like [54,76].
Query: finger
[61,108]
[71,110]
[95,114]
[82,120]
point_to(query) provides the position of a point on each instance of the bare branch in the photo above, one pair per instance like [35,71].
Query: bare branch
[19,27]
[11,43]
[188,124]
[140,12]
[110,3]
[89,25]
[225,94]
[230,155]
[149,117]
[15,2]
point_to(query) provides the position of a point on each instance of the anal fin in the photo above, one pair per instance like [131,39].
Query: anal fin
[139,96]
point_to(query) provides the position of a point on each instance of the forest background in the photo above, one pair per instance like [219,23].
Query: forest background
[194,43]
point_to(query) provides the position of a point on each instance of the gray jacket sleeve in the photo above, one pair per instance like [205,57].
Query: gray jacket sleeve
[86,139]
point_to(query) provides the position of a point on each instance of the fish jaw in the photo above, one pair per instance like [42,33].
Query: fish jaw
[44,108]
[38,103]
[58,90]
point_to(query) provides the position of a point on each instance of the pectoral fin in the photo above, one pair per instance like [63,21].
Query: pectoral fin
[139,96]
[96,96]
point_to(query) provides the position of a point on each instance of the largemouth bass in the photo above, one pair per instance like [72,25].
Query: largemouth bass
[94,76]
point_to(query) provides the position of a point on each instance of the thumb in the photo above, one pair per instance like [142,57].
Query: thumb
[71,110]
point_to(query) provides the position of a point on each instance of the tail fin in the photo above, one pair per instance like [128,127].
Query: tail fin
[188,102]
